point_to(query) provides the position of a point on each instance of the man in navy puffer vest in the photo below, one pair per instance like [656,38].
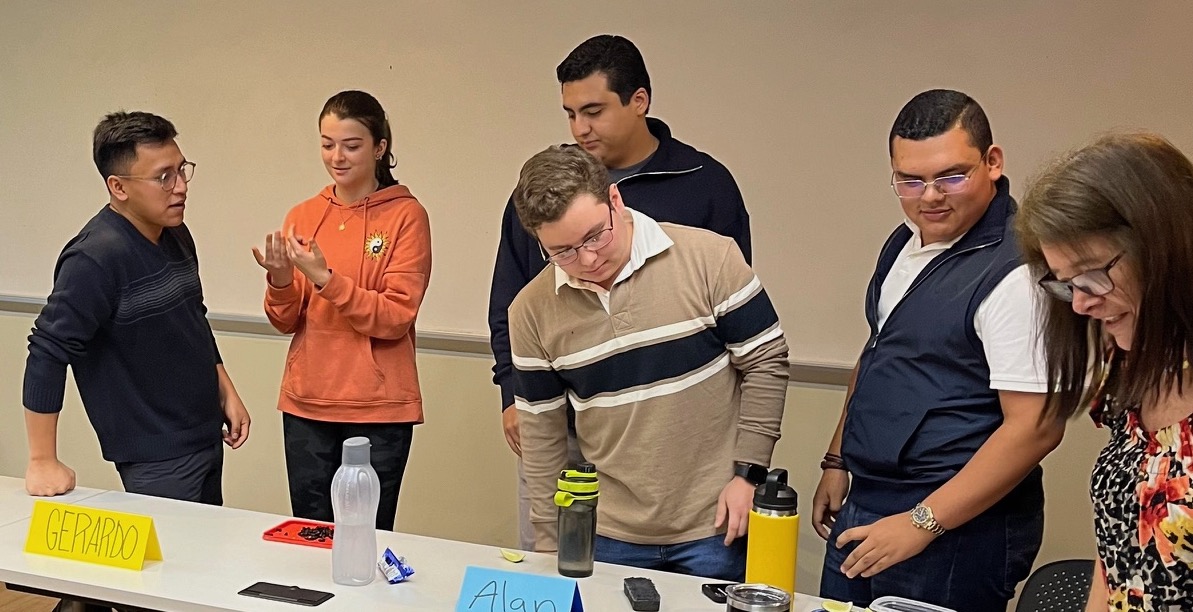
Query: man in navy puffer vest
[941,432]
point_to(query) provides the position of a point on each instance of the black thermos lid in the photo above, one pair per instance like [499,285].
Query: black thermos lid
[774,494]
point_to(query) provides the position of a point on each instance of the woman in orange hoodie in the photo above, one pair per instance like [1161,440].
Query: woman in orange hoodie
[362,251]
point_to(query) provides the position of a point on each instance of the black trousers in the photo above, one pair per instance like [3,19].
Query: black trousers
[314,452]
[197,477]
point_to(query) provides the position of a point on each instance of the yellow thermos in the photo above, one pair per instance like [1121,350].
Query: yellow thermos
[773,534]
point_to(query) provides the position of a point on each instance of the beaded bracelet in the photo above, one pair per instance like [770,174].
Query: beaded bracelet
[833,462]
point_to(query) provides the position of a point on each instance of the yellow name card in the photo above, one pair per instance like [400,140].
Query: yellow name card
[99,536]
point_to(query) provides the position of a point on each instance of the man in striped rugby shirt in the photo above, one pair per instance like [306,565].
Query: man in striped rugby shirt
[665,343]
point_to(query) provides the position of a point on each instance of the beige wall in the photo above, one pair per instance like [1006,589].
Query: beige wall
[460,459]
[796,97]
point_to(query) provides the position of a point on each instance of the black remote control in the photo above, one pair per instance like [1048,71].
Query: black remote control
[642,594]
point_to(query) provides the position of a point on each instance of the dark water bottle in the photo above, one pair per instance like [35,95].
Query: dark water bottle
[577,502]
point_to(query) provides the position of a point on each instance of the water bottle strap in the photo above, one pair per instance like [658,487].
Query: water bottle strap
[564,499]
[579,488]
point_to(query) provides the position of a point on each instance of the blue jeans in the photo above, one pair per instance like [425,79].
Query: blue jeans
[708,557]
[973,568]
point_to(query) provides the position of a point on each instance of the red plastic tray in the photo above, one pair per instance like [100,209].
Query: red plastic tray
[288,532]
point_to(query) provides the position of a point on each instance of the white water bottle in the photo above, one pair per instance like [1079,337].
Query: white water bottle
[355,493]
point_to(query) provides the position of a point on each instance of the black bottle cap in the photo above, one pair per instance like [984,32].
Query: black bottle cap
[774,494]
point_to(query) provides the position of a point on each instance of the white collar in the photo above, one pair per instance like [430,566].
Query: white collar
[648,239]
[917,240]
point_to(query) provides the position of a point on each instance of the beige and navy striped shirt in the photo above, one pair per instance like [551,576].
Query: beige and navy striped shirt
[679,373]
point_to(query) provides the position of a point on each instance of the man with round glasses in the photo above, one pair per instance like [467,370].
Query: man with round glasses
[664,341]
[127,315]
[931,488]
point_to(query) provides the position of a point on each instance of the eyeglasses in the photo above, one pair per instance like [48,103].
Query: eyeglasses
[169,178]
[945,185]
[1093,282]
[593,244]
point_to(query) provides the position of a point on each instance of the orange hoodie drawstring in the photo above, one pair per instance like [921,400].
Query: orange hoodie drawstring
[360,268]
[322,218]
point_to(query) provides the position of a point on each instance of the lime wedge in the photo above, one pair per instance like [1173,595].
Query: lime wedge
[836,606]
[512,556]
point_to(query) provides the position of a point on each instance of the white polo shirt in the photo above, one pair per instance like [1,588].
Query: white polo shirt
[1007,321]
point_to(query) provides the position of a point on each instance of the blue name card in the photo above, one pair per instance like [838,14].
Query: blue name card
[489,590]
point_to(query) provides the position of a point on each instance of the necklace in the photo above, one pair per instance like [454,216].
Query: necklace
[342,208]
[343,219]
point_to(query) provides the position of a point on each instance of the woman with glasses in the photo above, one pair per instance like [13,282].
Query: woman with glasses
[346,275]
[1109,229]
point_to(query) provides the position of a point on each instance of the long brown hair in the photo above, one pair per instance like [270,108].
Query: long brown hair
[1135,190]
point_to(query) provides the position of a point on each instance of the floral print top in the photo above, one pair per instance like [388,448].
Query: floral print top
[1143,512]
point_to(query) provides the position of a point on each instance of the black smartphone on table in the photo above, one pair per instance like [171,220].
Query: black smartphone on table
[288,594]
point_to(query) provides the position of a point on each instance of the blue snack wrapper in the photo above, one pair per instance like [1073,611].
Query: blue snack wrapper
[394,568]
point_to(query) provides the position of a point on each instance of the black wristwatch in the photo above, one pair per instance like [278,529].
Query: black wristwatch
[752,472]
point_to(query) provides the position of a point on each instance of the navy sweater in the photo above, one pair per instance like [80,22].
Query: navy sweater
[127,315]
[678,185]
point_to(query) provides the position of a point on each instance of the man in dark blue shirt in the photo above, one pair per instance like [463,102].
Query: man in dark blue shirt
[127,315]
[606,95]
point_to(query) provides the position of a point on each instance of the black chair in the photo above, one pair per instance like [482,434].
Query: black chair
[1060,586]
